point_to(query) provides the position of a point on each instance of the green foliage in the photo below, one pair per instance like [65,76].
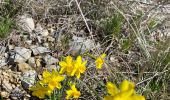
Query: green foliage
[125,45]
[8,10]
[112,26]
[5,26]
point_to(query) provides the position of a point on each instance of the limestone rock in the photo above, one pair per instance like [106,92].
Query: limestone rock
[20,54]
[50,59]
[39,50]
[28,79]
[81,44]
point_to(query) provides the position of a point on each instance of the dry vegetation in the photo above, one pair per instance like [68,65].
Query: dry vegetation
[133,34]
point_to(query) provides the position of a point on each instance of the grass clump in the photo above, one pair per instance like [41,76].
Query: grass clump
[8,10]
[6,25]
[113,25]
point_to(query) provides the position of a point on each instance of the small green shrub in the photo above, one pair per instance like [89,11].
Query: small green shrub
[5,26]
[113,25]
[8,11]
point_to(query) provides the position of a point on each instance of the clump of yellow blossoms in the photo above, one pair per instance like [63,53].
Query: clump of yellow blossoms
[73,92]
[71,67]
[100,61]
[40,91]
[126,92]
[53,79]
[47,85]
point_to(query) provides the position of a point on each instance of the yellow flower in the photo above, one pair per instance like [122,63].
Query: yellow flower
[79,67]
[100,61]
[126,92]
[40,91]
[53,79]
[66,66]
[73,92]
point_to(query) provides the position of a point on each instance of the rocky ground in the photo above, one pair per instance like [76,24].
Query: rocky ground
[37,47]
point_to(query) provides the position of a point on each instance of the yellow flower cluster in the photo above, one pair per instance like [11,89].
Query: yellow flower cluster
[52,80]
[71,67]
[48,84]
[126,92]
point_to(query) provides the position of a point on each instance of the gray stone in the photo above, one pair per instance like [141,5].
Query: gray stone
[81,44]
[11,47]
[39,50]
[50,60]
[20,54]
[44,32]
[2,49]
[46,45]
[28,79]
[29,42]
[50,39]
[3,61]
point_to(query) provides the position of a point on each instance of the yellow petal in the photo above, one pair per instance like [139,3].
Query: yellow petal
[111,88]
[99,66]
[73,87]
[62,70]
[79,60]
[126,94]
[62,64]
[74,71]
[69,59]
[82,69]
[103,55]
[59,78]
[76,94]
[126,85]
[69,94]
[108,98]
[46,74]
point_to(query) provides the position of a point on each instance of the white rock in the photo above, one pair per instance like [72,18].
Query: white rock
[82,44]
[46,45]
[39,50]
[2,49]
[20,54]
[3,61]
[50,39]
[28,79]
[29,42]
[10,47]
[38,28]
[44,32]
[50,60]
[26,23]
